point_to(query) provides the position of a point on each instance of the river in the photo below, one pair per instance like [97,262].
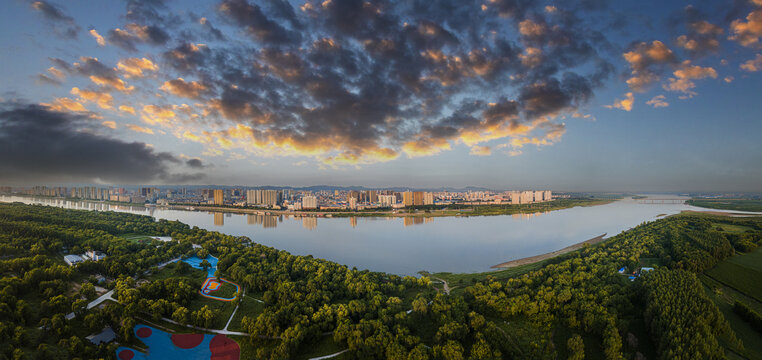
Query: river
[405,246]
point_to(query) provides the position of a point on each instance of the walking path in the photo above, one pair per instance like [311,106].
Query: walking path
[445,286]
[224,332]
[243,293]
[329,356]
[94,303]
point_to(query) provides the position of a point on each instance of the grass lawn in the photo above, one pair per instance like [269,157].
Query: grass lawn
[248,307]
[222,308]
[724,299]
[227,290]
[742,272]
[136,237]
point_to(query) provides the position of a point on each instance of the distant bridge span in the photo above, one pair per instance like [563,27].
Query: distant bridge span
[660,201]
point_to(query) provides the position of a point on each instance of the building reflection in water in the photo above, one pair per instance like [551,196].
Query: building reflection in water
[353,221]
[416,220]
[309,222]
[267,221]
[219,219]
[527,216]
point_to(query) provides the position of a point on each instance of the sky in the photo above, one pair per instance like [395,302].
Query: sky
[583,95]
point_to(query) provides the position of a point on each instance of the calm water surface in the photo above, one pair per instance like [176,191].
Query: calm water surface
[405,245]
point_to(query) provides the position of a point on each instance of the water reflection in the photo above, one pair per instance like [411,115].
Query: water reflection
[416,220]
[309,222]
[456,244]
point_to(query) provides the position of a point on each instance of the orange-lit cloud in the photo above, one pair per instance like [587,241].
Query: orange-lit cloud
[140,129]
[57,73]
[134,67]
[747,33]
[657,101]
[115,83]
[98,38]
[103,100]
[187,89]
[642,58]
[109,124]
[480,150]
[623,104]
[684,76]
[127,109]
[753,65]
[155,114]
[65,105]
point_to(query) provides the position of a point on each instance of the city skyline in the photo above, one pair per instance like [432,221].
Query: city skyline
[575,96]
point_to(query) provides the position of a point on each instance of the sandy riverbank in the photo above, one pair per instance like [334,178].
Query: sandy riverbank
[534,259]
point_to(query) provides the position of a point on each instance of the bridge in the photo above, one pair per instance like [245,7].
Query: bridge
[660,201]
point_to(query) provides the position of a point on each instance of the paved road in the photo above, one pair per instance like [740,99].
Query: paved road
[224,332]
[94,303]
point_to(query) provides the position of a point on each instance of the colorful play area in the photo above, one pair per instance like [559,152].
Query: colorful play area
[211,284]
[163,345]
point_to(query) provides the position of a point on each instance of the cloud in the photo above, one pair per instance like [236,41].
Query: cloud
[256,23]
[101,74]
[623,104]
[684,76]
[187,89]
[42,145]
[109,124]
[98,38]
[480,150]
[66,105]
[657,101]
[753,65]
[157,114]
[134,67]
[134,34]
[646,61]
[195,163]
[127,109]
[703,37]
[747,33]
[103,100]
[140,129]
[63,25]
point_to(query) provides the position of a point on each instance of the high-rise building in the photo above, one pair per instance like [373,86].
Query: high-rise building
[218,197]
[371,196]
[387,200]
[407,198]
[428,198]
[309,202]
[417,198]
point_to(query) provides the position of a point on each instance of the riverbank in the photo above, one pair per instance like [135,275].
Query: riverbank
[537,258]
[453,210]
[754,205]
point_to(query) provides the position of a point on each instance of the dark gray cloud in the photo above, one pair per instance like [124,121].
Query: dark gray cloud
[64,25]
[39,144]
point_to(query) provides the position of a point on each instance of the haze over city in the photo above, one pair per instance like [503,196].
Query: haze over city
[570,95]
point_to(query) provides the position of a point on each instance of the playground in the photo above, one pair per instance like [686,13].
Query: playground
[214,288]
[163,345]
[219,289]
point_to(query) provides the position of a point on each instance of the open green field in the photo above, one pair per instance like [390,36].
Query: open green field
[247,307]
[742,272]
[724,297]
[728,204]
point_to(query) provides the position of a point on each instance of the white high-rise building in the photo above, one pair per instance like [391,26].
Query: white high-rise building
[309,202]
[387,200]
